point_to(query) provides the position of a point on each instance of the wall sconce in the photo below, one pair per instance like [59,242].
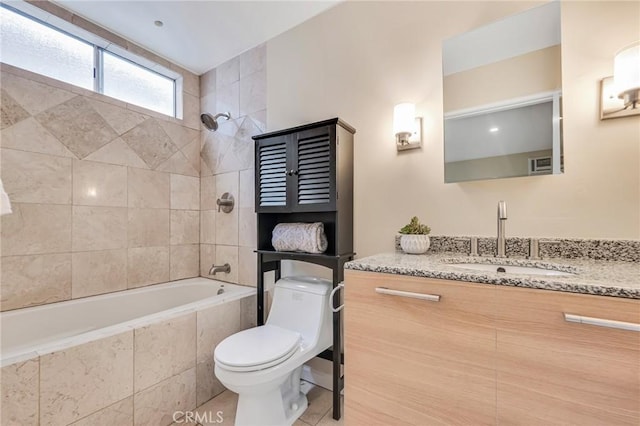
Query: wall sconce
[620,94]
[407,127]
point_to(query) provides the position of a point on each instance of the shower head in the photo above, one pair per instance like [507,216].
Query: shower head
[211,121]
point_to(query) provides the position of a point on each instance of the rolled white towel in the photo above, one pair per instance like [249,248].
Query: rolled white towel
[305,237]
[5,204]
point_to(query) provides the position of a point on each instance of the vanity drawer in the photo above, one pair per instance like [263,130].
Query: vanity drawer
[552,371]
[418,351]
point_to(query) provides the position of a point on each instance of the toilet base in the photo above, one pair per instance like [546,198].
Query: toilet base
[269,410]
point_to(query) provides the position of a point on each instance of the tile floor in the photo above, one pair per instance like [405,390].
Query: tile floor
[319,412]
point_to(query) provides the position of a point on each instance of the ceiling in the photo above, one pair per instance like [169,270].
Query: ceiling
[198,35]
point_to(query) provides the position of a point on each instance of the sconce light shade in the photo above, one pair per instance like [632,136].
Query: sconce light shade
[626,74]
[407,127]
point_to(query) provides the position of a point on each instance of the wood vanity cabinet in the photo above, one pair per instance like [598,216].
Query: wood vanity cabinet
[417,362]
[550,371]
[485,354]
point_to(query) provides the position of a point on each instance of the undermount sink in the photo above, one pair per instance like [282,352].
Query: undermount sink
[511,269]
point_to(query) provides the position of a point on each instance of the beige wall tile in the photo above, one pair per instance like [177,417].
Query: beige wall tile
[99,228]
[207,258]
[78,126]
[150,142]
[98,272]
[185,262]
[208,226]
[11,111]
[208,193]
[119,118]
[35,280]
[247,188]
[192,154]
[207,384]
[185,192]
[248,312]
[214,325]
[118,414]
[20,393]
[226,404]
[178,164]
[29,135]
[156,405]
[247,266]
[253,93]
[36,178]
[191,111]
[247,234]
[180,135]
[227,223]
[228,72]
[228,99]
[148,265]
[149,189]
[164,349]
[99,184]
[117,152]
[148,227]
[84,379]
[190,83]
[33,96]
[185,226]
[253,60]
[208,83]
[227,254]
[36,228]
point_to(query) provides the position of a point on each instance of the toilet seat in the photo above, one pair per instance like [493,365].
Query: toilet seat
[257,348]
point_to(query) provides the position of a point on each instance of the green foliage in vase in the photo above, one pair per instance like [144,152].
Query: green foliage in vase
[415,228]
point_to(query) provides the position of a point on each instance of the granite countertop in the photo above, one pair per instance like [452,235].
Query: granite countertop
[605,278]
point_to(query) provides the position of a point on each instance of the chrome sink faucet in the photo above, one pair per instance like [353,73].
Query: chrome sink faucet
[501,241]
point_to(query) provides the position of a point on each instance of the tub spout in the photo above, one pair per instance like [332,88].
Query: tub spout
[226,268]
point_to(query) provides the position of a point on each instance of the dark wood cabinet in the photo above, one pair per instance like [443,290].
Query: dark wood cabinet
[305,174]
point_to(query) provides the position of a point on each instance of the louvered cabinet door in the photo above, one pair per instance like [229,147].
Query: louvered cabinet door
[313,187]
[273,160]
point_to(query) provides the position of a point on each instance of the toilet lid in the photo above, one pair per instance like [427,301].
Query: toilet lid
[256,348]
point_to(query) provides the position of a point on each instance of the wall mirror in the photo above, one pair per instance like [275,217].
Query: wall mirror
[503,98]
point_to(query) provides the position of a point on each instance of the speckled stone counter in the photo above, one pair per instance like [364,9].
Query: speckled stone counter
[605,278]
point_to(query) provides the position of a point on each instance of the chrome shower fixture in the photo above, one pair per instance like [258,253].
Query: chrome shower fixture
[211,121]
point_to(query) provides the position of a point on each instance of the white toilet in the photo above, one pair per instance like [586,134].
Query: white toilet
[263,364]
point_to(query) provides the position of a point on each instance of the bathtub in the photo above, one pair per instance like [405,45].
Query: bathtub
[29,332]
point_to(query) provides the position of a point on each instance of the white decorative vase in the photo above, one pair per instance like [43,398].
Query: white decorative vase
[415,244]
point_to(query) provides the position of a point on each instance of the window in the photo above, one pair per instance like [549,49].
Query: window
[33,45]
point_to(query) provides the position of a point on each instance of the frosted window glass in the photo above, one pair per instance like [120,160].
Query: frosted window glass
[38,48]
[137,85]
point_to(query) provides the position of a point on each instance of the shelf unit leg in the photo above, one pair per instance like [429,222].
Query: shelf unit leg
[337,354]
[260,293]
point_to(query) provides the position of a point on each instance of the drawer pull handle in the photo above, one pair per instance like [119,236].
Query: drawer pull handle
[421,296]
[599,322]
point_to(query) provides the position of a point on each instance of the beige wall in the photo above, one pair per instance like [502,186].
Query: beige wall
[528,74]
[105,195]
[238,87]
[360,58]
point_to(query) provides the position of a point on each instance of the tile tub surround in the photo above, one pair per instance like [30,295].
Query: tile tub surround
[566,248]
[604,278]
[106,196]
[239,87]
[136,374]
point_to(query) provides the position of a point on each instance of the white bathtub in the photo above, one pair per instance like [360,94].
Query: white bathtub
[30,332]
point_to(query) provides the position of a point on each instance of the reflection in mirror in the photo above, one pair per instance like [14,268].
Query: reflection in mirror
[502,98]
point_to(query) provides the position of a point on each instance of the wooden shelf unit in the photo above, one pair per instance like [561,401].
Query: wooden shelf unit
[305,174]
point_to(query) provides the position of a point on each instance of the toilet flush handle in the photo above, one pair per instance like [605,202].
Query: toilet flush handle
[333,293]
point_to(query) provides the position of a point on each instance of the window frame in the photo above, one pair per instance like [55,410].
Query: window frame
[98,59]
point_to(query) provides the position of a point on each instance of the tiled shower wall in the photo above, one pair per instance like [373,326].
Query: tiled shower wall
[238,86]
[105,195]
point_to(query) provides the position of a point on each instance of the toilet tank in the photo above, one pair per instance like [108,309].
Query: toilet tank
[302,304]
